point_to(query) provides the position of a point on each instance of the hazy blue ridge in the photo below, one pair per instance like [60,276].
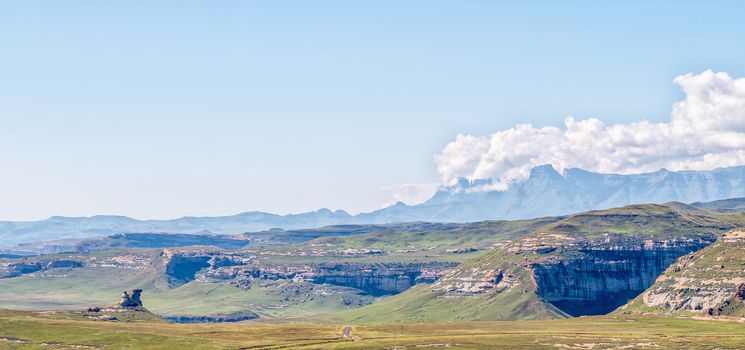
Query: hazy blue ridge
[545,193]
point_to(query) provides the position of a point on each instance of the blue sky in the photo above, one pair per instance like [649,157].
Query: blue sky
[171,108]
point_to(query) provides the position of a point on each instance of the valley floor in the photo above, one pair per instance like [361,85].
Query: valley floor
[31,330]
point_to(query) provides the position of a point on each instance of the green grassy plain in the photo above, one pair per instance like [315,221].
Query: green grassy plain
[101,286]
[29,330]
[196,298]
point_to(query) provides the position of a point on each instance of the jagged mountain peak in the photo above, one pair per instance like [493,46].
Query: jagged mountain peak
[545,170]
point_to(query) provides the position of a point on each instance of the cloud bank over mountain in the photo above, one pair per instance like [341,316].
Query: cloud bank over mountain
[706,130]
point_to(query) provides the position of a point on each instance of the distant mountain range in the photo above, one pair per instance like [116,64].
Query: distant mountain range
[545,193]
[548,193]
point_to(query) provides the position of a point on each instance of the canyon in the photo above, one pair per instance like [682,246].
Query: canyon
[376,279]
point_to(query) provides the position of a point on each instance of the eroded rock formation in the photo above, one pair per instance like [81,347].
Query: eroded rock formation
[131,300]
[182,266]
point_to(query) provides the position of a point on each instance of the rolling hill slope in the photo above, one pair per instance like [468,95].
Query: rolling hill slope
[585,264]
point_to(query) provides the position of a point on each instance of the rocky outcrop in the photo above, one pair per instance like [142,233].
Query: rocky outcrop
[183,265]
[64,263]
[11,270]
[476,281]
[462,250]
[15,269]
[226,260]
[131,300]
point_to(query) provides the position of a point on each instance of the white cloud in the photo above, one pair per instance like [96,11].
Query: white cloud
[410,193]
[706,130]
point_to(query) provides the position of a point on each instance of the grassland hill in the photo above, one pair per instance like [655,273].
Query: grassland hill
[585,264]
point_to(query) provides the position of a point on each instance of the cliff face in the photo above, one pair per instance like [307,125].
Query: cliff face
[15,269]
[375,285]
[599,281]
[374,279]
[182,267]
[379,279]
[706,282]
[567,274]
